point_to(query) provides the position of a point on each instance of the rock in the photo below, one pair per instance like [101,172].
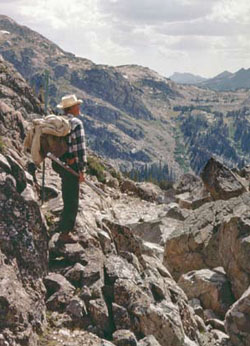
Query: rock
[245,172]
[105,241]
[187,183]
[18,307]
[18,173]
[146,191]
[163,321]
[220,337]
[234,250]
[220,181]
[73,253]
[195,244]
[125,239]
[177,213]
[59,292]
[211,287]
[149,340]
[128,186]
[153,311]
[4,164]
[99,313]
[118,268]
[75,274]
[121,317]
[216,324]
[149,192]
[28,194]
[196,305]
[200,323]
[193,200]
[237,321]
[155,231]
[124,338]
[65,336]
[209,315]
[23,263]
[76,309]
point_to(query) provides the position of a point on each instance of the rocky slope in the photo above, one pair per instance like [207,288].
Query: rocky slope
[150,268]
[133,116]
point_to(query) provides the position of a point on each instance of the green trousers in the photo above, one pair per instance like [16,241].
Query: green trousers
[70,196]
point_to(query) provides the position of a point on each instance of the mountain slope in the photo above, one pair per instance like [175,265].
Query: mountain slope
[133,116]
[186,78]
[229,81]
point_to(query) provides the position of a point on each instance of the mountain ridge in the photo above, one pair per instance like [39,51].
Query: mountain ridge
[134,117]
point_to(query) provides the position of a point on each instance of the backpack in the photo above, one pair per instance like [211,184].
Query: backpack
[54,144]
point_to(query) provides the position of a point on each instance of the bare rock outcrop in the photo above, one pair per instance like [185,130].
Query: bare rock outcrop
[24,262]
[238,320]
[220,181]
[234,249]
[197,243]
[211,287]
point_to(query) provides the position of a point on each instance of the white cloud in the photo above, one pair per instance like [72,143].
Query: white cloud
[204,37]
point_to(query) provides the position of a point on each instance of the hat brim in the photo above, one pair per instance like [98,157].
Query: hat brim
[61,106]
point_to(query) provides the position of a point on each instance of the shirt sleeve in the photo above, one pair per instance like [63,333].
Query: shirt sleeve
[79,147]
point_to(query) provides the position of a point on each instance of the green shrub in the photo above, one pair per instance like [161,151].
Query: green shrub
[1,145]
[96,168]
[115,174]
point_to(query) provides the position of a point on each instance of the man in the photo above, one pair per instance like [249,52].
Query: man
[75,157]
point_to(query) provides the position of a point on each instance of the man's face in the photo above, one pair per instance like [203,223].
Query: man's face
[75,110]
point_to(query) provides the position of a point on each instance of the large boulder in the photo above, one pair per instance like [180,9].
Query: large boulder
[211,287]
[220,181]
[234,250]
[199,243]
[238,321]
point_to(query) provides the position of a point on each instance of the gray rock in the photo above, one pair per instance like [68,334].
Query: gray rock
[234,250]
[4,164]
[99,313]
[220,181]
[18,173]
[75,274]
[187,183]
[124,337]
[118,268]
[196,305]
[59,292]
[121,317]
[212,288]
[76,309]
[237,321]
[149,340]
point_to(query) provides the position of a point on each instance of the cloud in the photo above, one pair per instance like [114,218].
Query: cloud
[205,37]
[156,11]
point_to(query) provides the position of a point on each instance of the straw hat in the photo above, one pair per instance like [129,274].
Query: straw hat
[68,101]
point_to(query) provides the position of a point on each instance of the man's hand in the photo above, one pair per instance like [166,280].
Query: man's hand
[81,177]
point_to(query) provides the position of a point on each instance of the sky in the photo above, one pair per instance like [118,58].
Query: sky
[203,37]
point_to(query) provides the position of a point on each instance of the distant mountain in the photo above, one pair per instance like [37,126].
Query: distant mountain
[186,78]
[226,81]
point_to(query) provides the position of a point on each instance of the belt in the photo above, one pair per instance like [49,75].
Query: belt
[71,161]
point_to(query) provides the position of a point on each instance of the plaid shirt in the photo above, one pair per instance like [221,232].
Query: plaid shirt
[76,142]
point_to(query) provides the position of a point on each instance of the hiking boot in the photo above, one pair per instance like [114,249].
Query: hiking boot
[67,238]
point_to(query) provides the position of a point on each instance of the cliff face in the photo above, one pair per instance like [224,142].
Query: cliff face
[23,236]
[150,268]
